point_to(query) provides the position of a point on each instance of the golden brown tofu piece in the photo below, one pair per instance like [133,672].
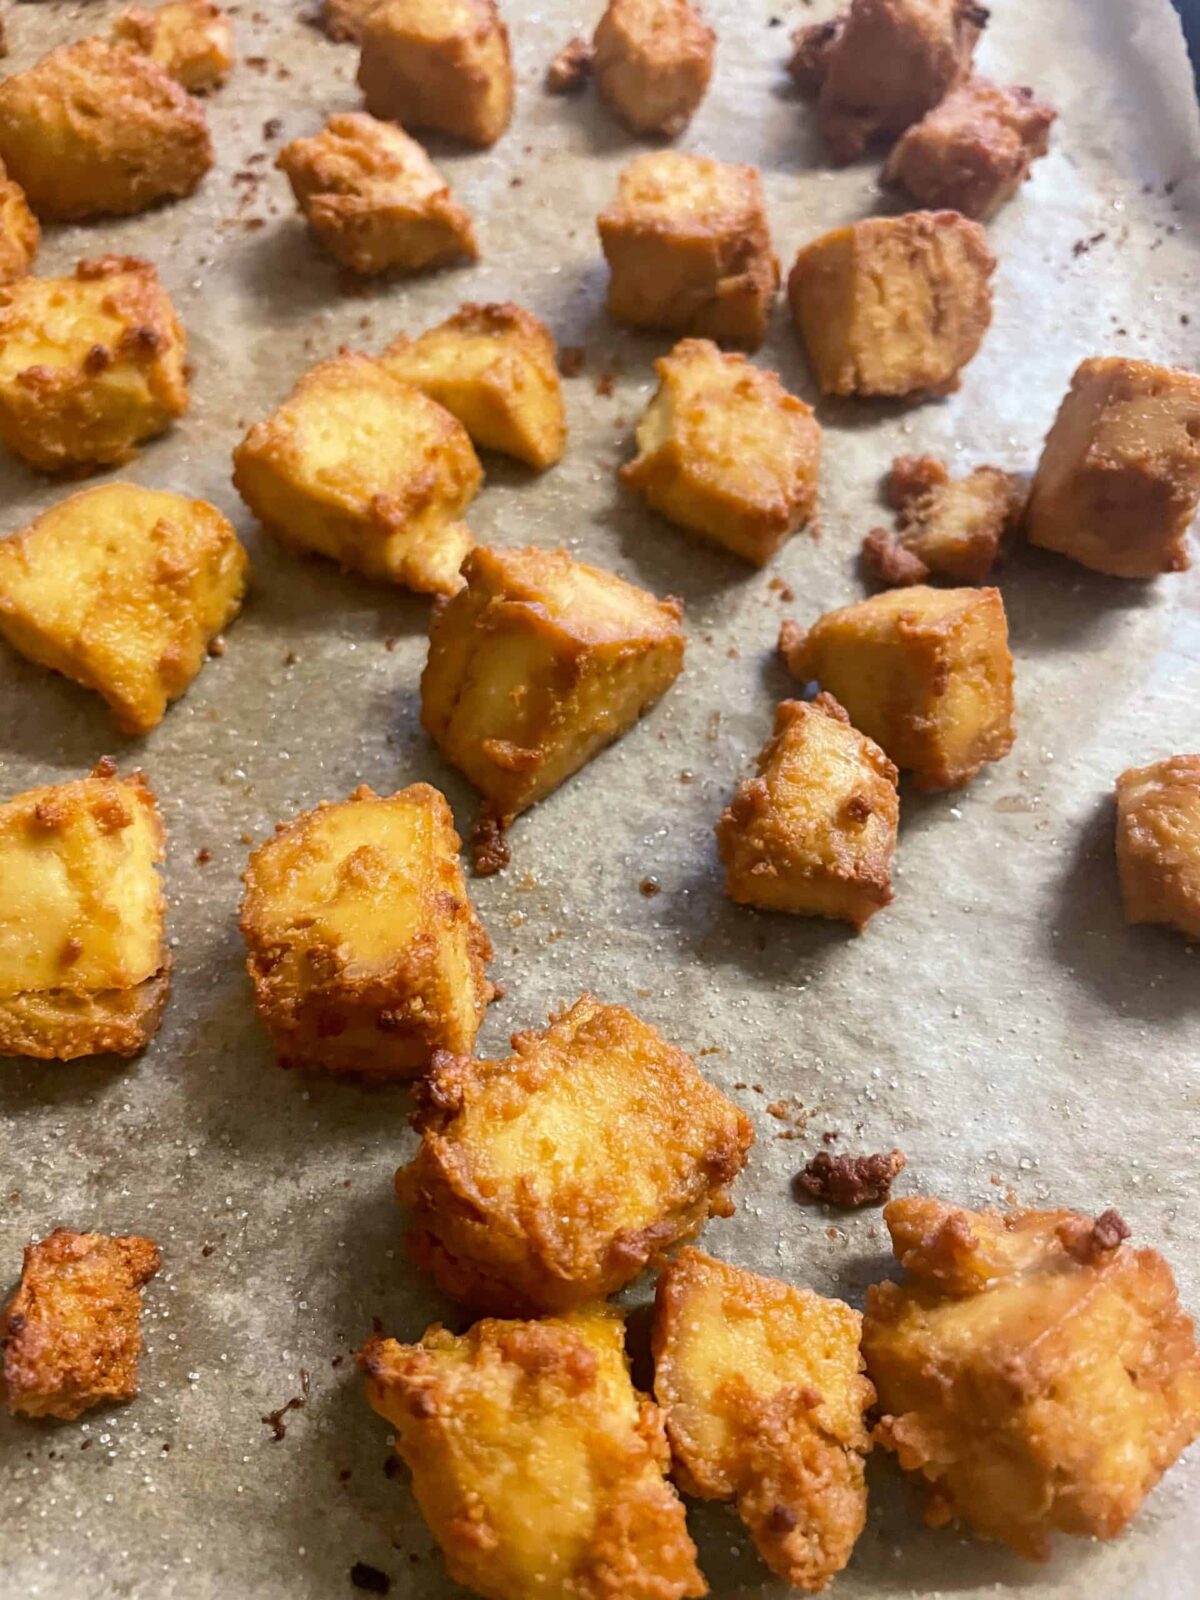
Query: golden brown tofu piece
[926,673]
[495,367]
[652,60]
[1119,477]
[345,19]
[92,130]
[1158,843]
[365,952]
[1033,1368]
[71,1334]
[123,589]
[973,150]
[762,1387]
[814,831]
[441,64]
[893,306]
[374,198]
[571,67]
[191,40]
[84,967]
[947,527]
[688,248]
[536,665]
[19,231]
[537,1465]
[367,470]
[554,1177]
[726,451]
[90,366]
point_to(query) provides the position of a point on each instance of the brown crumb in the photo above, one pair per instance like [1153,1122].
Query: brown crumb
[216,645]
[778,1108]
[272,127]
[570,360]
[650,886]
[274,1419]
[849,1181]
[203,856]
[488,846]
[606,383]
[390,643]
[1088,1242]
[1082,246]
[364,1576]
[571,67]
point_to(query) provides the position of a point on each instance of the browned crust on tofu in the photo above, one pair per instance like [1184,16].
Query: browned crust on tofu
[191,40]
[1158,843]
[59,1025]
[652,60]
[812,46]
[460,83]
[19,231]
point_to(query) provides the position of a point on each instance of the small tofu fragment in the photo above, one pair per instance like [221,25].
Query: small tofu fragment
[536,1464]
[571,67]
[84,967]
[365,952]
[689,250]
[344,20]
[537,664]
[555,1177]
[191,40]
[653,60]
[92,130]
[765,1401]
[495,368]
[926,673]
[893,306]
[815,831]
[123,589]
[19,231]
[1033,1368]
[366,470]
[725,451]
[973,150]
[1119,477]
[441,64]
[71,1334]
[948,527]
[1158,843]
[90,366]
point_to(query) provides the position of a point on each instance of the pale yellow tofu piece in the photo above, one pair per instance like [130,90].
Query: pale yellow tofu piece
[367,470]
[441,64]
[191,40]
[1158,843]
[19,231]
[652,61]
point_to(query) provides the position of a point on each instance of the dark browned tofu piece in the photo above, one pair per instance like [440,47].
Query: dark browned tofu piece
[947,527]
[1158,843]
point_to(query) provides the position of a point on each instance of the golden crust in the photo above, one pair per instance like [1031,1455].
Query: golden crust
[59,1025]
[92,130]
[441,64]
[19,231]
[947,527]
[1158,843]
[1034,1369]
[536,1464]
[652,61]
[191,40]
[556,1176]
[344,19]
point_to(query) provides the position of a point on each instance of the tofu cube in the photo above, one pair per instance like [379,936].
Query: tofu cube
[652,60]
[495,368]
[765,1402]
[537,664]
[374,198]
[92,130]
[725,451]
[19,231]
[1158,843]
[366,470]
[345,19]
[441,64]
[688,248]
[925,673]
[90,366]
[815,831]
[1034,1369]
[538,1467]
[191,40]
[71,1334]
[948,527]
[365,952]
[973,150]
[555,1177]
[84,967]
[893,306]
[1119,477]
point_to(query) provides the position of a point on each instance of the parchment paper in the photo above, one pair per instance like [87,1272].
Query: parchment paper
[998,1022]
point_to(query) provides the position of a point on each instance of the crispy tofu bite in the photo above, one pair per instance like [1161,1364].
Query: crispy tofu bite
[554,1177]
[948,527]
[926,673]
[374,198]
[19,231]
[1033,1368]
[71,1334]
[815,831]
[688,248]
[537,664]
[84,968]
[652,60]
[191,40]
[762,1387]
[365,953]
[90,366]
[537,1465]
[495,367]
[726,451]
[973,151]
[93,130]
[1119,477]
[893,306]
[441,64]
[1158,843]
[123,589]
[367,470]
